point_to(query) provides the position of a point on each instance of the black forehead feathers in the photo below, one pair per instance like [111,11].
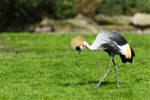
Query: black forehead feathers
[78,48]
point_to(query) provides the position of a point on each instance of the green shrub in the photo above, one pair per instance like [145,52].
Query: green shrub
[86,7]
[19,12]
[127,7]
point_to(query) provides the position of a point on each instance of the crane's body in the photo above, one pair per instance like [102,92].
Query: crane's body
[114,44]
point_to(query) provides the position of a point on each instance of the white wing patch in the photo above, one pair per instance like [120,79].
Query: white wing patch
[125,50]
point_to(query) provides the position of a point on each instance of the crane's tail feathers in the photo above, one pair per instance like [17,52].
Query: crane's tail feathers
[132,52]
[125,59]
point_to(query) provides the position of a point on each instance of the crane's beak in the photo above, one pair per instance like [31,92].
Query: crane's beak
[79,52]
[78,49]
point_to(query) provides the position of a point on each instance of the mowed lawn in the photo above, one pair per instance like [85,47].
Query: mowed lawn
[44,67]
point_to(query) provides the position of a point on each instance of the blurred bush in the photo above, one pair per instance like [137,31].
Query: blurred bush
[127,7]
[19,12]
[87,7]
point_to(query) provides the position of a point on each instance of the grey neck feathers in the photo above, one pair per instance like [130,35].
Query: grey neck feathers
[88,46]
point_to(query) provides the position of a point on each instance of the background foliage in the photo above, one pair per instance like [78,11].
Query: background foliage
[20,12]
[127,7]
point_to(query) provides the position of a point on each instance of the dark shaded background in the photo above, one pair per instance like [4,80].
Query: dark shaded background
[15,13]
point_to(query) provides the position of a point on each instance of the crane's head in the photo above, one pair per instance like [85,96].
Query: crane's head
[80,48]
[77,43]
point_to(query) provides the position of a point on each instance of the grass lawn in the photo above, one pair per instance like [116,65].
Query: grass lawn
[44,67]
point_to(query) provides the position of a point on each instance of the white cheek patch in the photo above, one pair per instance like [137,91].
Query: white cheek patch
[81,47]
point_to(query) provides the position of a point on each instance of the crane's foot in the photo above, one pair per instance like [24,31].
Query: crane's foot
[108,70]
[100,82]
[97,86]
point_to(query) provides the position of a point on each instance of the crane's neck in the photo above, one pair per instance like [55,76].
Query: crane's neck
[87,45]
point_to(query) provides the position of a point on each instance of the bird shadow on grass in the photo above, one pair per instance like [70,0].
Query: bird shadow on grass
[85,83]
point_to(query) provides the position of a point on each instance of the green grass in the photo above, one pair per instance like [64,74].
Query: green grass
[44,67]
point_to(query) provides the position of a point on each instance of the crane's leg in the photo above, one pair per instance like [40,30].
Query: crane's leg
[108,70]
[115,67]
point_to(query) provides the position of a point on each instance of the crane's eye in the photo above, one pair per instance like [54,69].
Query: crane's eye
[78,48]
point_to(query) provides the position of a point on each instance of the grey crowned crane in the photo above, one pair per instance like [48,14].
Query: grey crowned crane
[114,44]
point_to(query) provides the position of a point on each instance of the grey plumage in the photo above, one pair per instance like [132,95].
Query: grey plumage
[114,44]
[115,37]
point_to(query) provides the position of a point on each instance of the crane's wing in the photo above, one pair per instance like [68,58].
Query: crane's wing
[126,52]
[116,37]
[106,38]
